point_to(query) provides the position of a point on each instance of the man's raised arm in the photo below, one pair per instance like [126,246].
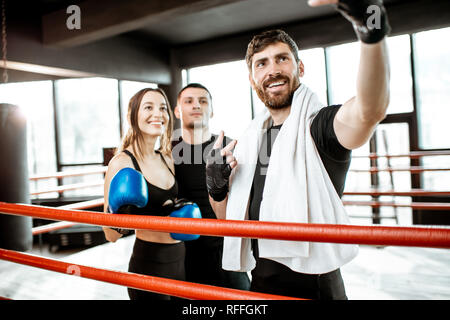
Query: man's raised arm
[357,118]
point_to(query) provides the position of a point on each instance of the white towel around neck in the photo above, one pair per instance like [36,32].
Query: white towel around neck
[297,189]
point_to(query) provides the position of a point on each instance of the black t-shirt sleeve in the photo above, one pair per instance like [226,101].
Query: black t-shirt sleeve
[335,157]
[322,131]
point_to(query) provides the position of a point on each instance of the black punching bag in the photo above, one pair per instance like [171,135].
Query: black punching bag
[15,231]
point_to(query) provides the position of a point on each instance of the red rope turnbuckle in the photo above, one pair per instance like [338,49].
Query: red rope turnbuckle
[369,235]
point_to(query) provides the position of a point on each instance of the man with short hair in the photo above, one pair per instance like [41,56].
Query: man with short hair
[203,262]
[291,163]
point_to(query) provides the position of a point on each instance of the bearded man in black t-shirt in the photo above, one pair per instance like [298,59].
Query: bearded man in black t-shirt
[203,263]
[275,72]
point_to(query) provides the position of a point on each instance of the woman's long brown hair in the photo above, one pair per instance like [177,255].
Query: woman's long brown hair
[134,137]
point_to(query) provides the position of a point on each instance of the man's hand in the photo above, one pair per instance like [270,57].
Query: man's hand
[356,120]
[368,17]
[219,164]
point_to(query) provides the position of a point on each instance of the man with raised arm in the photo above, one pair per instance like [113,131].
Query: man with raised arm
[291,163]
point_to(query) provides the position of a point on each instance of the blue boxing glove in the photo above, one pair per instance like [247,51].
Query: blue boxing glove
[183,208]
[128,189]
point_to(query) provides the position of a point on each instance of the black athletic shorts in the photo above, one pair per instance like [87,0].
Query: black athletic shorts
[275,278]
[159,260]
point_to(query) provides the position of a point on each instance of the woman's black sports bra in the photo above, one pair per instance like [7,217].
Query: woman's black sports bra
[156,196]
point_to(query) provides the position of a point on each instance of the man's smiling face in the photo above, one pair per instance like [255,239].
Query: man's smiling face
[275,75]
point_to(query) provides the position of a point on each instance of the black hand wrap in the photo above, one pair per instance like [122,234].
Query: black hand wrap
[217,175]
[368,17]
[180,203]
[124,232]
[124,210]
[175,205]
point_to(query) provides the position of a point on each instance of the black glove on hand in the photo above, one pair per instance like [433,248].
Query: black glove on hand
[217,175]
[124,210]
[368,17]
[175,205]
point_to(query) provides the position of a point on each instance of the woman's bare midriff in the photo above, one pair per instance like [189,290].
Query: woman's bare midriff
[155,236]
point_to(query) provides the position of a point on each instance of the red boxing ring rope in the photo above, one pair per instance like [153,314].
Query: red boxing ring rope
[52,227]
[443,206]
[171,287]
[412,154]
[65,174]
[64,224]
[369,235]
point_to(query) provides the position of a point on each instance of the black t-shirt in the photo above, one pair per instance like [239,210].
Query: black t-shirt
[335,158]
[190,162]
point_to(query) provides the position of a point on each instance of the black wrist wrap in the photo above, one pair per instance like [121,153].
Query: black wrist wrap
[369,18]
[217,175]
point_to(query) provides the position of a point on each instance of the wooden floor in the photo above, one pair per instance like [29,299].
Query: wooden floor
[389,273]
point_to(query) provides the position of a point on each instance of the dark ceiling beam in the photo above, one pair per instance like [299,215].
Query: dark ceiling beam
[121,57]
[409,17]
[101,19]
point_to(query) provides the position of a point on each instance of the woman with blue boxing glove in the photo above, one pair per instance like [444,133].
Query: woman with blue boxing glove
[140,180]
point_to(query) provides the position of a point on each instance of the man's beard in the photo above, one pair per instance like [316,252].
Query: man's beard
[279,101]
